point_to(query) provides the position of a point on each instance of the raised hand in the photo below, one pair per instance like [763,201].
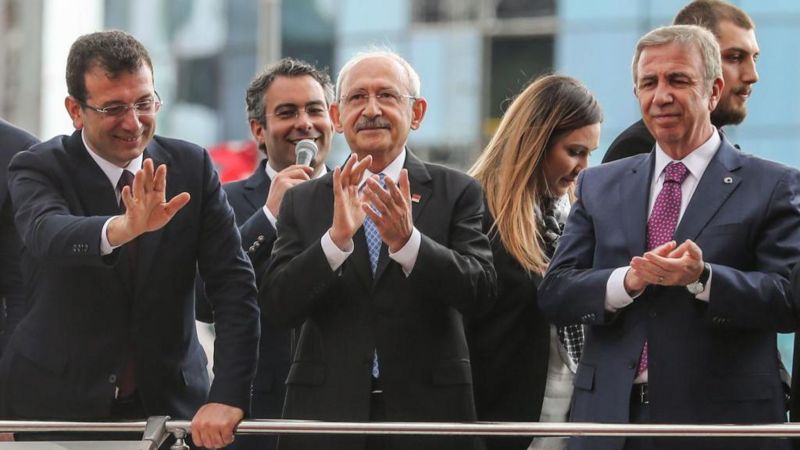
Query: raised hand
[285,179]
[348,214]
[146,208]
[390,210]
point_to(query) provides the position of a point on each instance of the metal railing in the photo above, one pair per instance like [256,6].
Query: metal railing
[156,429]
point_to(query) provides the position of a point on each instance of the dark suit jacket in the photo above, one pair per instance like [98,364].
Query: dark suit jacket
[88,314]
[509,348]
[709,362]
[634,140]
[247,197]
[414,322]
[13,304]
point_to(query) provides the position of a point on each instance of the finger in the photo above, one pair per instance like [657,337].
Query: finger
[127,197]
[664,248]
[160,179]
[383,194]
[374,198]
[647,271]
[359,169]
[177,202]
[347,169]
[295,171]
[694,250]
[149,175]
[372,215]
[337,182]
[137,185]
[394,192]
[662,262]
[405,186]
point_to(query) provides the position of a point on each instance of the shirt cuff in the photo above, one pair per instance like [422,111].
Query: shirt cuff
[616,295]
[105,247]
[335,256]
[706,294]
[407,256]
[272,219]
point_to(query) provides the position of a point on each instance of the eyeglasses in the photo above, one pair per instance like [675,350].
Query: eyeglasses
[359,99]
[148,107]
[291,112]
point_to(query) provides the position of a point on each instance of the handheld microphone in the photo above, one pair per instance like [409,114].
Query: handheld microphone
[305,151]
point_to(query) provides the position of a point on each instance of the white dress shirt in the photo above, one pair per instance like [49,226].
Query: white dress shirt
[113,173]
[406,256]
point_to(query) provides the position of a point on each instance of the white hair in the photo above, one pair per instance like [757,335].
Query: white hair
[413,77]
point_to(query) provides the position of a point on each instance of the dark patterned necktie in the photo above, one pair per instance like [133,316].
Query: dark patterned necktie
[663,221]
[126,382]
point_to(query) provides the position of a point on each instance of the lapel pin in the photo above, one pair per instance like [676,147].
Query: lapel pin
[415,198]
[727,180]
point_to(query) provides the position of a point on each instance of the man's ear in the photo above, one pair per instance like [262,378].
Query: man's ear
[335,117]
[75,111]
[257,130]
[716,93]
[418,112]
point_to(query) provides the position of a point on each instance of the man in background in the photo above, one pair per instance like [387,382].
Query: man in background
[735,32]
[286,103]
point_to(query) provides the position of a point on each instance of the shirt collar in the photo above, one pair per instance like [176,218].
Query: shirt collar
[696,161]
[392,170]
[111,170]
[271,173]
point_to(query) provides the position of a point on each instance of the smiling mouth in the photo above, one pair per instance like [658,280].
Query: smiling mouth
[308,138]
[129,139]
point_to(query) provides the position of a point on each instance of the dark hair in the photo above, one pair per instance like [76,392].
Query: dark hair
[114,51]
[709,13]
[286,67]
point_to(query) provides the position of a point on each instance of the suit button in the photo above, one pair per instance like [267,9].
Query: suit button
[653,314]
[256,244]
[261,238]
[252,249]
[112,378]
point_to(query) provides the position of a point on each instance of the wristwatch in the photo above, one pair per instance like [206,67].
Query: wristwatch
[699,286]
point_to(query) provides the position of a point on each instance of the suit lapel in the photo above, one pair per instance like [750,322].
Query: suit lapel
[634,194]
[93,187]
[256,187]
[717,184]
[419,182]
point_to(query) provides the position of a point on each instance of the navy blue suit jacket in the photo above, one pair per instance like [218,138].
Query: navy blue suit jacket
[709,362]
[13,304]
[88,315]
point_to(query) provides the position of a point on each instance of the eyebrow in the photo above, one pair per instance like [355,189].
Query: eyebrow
[740,50]
[294,105]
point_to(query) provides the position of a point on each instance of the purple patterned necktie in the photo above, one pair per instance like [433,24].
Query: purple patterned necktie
[663,221]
